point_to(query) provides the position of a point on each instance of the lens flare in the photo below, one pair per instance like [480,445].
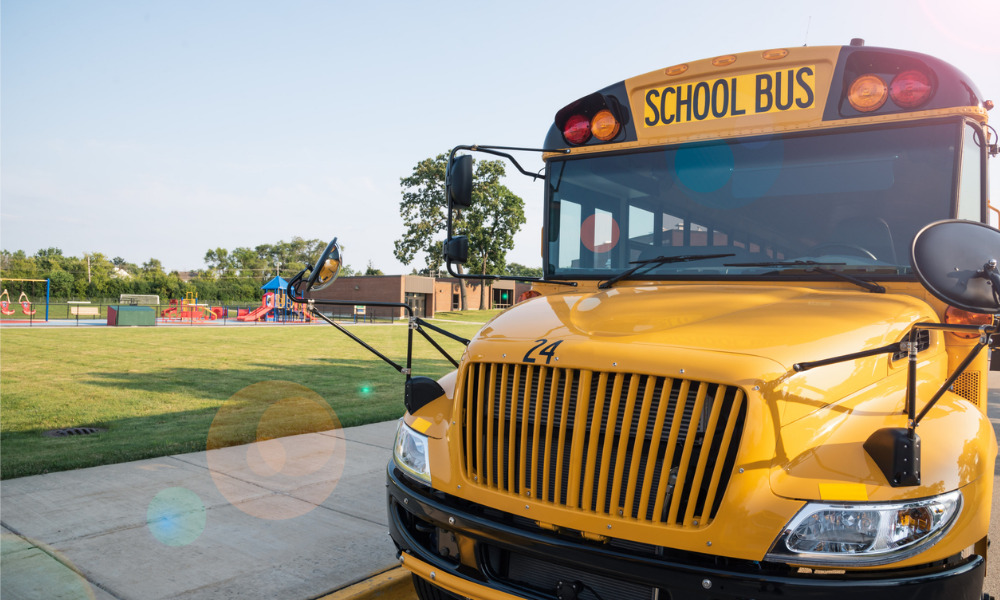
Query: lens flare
[296,452]
[176,516]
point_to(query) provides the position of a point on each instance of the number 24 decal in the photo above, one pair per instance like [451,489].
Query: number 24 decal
[548,351]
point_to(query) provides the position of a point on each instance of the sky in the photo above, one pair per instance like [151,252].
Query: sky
[162,129]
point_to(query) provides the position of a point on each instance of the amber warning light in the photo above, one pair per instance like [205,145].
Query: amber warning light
[908,90]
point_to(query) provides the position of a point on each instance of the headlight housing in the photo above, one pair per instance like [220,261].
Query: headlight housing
[865,534]
[410,453]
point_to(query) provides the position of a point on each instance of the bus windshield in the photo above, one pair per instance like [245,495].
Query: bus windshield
[848,200]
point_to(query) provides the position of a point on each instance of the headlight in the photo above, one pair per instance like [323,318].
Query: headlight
[410,453]
[865,534]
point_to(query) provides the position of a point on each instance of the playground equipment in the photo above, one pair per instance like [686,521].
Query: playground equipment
[276,306]
[260,313]
[27,307]
[190,310]
[25,304]
[5,303]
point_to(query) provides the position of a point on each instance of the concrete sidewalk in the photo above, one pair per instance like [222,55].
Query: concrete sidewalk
[292,518]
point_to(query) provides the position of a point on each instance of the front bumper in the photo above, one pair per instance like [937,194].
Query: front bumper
[471,552]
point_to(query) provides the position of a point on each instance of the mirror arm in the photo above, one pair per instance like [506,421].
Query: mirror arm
[420,330]
[985,339]
[409,315]
[363,344]
[437,329]
[292,290]
[480,277]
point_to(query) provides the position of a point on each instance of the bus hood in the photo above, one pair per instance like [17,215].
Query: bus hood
[785,325]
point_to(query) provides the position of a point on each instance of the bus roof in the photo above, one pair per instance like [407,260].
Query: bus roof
[764,92]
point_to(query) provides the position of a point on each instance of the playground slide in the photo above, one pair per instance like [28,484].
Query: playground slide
[256,315]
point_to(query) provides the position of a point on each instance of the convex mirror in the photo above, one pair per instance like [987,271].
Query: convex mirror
[957,262]
[327,268]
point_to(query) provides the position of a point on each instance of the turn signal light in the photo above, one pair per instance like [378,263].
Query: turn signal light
[604,125]
[957,316]
[910,89]
[868,93]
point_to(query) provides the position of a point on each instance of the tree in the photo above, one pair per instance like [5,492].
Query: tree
[490,223]
[425,211]
[371,270]
[519,270]
[495,216]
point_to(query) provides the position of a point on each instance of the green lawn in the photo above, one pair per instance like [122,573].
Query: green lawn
[155,391]
[468,316]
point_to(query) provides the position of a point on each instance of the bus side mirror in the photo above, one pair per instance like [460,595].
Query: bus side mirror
[456,249]
[459,178]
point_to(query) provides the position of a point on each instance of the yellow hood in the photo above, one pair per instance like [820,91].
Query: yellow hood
[783,324]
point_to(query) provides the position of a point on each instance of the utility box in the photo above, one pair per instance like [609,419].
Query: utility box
[131,316]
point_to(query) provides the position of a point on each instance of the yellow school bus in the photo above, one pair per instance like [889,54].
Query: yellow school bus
[753,367]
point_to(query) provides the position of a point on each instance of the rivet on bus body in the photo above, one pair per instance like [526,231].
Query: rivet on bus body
[504,356]
[451,520]
[433,575]
[706,583]
[609,525]
[708,543]
[460,486]
[682,371]
[756,388]
[741,470]
[527,507]
[614,364]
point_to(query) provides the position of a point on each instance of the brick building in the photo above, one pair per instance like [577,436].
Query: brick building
[425,295]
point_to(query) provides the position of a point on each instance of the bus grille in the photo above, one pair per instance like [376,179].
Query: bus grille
[642,447]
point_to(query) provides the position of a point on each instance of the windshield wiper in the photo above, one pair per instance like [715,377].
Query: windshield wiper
[817,267]
[659,260]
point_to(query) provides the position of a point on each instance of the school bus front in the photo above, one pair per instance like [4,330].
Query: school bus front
[659,427]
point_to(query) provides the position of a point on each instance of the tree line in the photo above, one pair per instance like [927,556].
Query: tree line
[230,275]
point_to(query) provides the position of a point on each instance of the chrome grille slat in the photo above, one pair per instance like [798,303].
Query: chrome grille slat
[546,433]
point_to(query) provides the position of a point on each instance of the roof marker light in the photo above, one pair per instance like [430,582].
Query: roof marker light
[774,54]
[676,69]
[723,61]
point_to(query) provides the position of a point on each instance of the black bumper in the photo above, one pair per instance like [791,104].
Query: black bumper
[420,518]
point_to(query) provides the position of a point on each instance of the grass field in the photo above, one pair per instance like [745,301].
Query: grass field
[155,391]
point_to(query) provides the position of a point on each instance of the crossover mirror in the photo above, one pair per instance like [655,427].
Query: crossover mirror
[957,262]
[327,267]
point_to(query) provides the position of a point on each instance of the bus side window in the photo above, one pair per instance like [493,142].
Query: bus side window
[970,195]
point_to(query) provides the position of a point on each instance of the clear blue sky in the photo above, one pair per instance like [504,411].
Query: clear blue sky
[162,129]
